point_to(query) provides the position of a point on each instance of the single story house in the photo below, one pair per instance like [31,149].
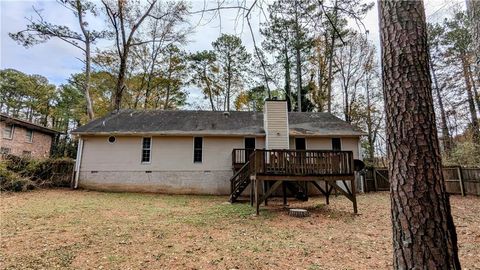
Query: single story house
[24,138]
[190,152]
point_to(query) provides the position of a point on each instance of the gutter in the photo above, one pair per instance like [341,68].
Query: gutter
[78,162]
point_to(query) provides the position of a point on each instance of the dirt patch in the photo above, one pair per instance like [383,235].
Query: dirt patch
[82,230]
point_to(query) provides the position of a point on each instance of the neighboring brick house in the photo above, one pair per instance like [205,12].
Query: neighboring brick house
[23,138]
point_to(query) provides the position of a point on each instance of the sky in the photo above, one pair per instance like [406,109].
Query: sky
[57,60]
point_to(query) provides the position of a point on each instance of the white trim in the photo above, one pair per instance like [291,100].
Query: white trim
[193,148]
[78,161]
[141,152]
[31,138]
[12,132]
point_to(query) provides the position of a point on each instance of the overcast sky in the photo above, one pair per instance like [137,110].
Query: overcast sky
[56,60]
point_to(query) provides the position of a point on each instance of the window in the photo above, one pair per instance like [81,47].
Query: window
[146,150]
[249,147]
[5,150]
[250,143]
[336,144]
[29,135]
[300,144]
[27,153]
[197,149]
[8,131]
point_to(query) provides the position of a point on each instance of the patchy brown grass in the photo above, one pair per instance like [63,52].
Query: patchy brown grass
[82,230]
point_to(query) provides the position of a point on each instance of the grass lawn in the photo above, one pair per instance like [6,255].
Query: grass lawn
[81,229]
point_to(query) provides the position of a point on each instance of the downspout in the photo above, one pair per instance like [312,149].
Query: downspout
[360,157]
[78,162]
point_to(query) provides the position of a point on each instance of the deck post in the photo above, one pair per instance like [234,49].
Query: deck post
[327,193]
[374,173]
[252,190]
[257,196]
[460,180]
[265,188]
[354,196]
[284,192]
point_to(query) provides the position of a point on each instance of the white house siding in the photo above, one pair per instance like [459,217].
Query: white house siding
[276,125]
[117,166]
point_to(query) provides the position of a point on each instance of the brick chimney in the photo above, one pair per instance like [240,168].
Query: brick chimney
[275,123]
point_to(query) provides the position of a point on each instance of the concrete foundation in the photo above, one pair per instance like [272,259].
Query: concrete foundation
[171,182]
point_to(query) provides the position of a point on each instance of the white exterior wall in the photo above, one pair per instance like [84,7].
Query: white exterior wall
[171,169]
[118,167]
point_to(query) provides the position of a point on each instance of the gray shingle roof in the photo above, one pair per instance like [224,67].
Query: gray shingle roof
[212,123]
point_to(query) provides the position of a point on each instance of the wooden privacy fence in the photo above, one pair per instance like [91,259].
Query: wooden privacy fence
[458,180]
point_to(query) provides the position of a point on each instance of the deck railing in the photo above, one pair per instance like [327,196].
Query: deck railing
[296,162]
[240,156]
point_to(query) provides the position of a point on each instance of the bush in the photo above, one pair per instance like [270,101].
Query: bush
[464,154]
[11,181]
[41,173]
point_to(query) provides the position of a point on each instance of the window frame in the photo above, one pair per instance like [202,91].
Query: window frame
[201,149]
[150,151]
[340,141]
[26,136]
[12,131]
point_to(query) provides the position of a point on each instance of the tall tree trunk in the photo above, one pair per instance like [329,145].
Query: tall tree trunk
[298,60]
[474,87]
[288,87]
[446,140]
[473,7]
[209,89]
[330,60]
[371,143]
[120,86]
[229,84]
[86,85]
[470,98]
[424,235]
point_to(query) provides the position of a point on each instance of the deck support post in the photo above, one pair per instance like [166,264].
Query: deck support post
[257,196]
[354,197]
[284,193]
[327,195]
[251,191]
[265,188]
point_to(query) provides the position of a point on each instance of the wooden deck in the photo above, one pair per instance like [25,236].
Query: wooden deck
[266,170]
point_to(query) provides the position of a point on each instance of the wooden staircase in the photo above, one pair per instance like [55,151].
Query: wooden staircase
[239,182]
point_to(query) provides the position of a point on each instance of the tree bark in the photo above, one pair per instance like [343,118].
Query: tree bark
[474,87]
[229,83]
[371,142]
[424,235]
[298,61]
[330,60]
[209,88]
[446,140]
[471,99]
[288,87]
[86,85]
